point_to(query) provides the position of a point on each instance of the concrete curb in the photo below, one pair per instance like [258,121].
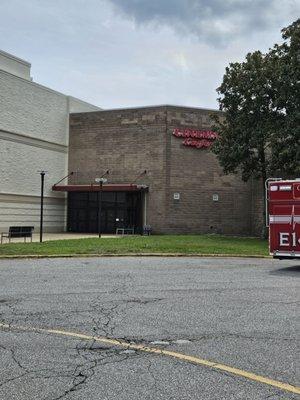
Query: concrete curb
[201,255]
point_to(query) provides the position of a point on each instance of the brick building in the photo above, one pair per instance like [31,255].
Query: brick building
[161,172]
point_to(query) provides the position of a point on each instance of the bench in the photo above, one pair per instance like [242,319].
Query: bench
[124,231]
[18,232]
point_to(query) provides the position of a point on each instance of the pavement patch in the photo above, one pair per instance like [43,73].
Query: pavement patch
[181,341]
[128,351]
[160,343]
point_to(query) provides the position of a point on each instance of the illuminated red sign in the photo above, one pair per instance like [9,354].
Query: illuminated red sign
[196,138]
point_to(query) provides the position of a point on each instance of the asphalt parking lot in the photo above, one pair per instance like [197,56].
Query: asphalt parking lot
[179,323]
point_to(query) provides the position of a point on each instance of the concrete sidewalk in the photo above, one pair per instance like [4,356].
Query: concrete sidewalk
[59,236]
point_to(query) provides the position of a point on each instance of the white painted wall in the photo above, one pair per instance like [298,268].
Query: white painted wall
[14,65]
[25,211]
[34,134]
[19,166]
[76,106]
[32,110]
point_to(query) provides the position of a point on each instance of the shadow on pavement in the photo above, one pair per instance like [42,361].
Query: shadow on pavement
[294,270]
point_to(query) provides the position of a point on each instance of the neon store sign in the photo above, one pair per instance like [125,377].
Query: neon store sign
[196,138]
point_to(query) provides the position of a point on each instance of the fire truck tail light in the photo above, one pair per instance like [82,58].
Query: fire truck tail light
[285,188]
[274,188]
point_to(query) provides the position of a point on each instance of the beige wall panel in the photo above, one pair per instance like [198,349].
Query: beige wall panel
[19,213]
[31,109]
[19,166]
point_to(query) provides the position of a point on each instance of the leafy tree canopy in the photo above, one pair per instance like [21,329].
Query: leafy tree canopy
[259,132]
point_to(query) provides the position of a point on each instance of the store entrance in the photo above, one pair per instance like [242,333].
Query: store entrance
[119,210]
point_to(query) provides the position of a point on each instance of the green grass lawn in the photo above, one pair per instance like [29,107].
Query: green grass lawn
[183,244]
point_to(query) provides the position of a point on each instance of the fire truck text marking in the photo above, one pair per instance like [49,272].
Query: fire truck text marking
[284,239]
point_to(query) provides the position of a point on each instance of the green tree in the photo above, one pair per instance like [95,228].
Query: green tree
[259,129]
[285,155]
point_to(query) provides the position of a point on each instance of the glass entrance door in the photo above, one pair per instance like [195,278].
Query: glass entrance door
[119,210]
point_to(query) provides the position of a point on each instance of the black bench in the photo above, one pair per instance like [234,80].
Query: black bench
[18,232]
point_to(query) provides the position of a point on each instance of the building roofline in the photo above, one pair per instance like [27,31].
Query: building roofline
[83,102]
[151,106]
[43,87]
[11,56]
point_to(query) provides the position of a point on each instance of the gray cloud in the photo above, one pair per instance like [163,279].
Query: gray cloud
[215,21]
[90,51]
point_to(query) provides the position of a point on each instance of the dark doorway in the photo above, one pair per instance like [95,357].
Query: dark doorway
[119,210]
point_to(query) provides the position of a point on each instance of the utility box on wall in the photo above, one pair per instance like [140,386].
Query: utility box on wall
[176,196]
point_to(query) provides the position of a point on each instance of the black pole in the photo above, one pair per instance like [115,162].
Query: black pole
[100,209]
[42,173]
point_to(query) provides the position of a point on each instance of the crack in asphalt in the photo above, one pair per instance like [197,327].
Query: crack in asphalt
[102,318]
[103,321]
[105,316]
[17,363]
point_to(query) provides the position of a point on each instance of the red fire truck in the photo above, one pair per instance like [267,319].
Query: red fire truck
[283,217]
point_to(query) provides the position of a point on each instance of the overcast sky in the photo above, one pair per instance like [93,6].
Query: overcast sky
[122,53]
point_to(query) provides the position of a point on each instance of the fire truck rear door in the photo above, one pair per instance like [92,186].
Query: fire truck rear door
[285,228]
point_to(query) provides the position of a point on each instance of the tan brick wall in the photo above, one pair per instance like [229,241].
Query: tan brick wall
[126,142]
[196,175]
[257,219]
[129,141]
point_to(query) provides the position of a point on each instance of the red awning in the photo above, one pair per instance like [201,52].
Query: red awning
[109,187]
